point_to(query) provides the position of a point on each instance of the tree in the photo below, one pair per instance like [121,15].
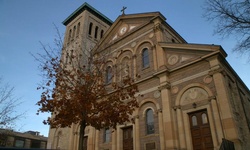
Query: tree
[233,19]
[78,89]
[8,105]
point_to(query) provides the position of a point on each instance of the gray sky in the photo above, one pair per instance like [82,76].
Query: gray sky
[23,23]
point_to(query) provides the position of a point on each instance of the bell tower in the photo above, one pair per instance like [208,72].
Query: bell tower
[84,28]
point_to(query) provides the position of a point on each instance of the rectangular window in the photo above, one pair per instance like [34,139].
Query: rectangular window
[19,143]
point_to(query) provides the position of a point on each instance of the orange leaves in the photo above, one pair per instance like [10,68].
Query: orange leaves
[76,92]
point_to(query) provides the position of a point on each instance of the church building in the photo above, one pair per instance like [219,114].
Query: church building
[189,96]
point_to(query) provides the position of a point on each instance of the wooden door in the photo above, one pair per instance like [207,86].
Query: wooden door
[200,130]
[128,138]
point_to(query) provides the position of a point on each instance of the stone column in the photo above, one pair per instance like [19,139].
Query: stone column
[119,138]
[227,120]
[181,133]
[228,123]
[91,138]
[217,122]
[114,140]
[97,139]
[168,128]
[137,133]
[161,130]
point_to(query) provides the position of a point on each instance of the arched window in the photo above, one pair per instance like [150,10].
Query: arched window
[108,75]
[70,32]
[102,33]
[194,120]
[96,31]
[204,118]
[145,58]
[150,121]
[106,135]
[90,28]
[78,29]
[74,32]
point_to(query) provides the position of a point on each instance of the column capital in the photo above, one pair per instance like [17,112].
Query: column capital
[165,86]
[177,107]
[210,98]
[217,70]
[136,117]
[159,110]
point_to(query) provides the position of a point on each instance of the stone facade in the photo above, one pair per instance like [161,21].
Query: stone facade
[189,96]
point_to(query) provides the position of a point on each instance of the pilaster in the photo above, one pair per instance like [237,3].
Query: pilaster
[168,129]
[228,124]
[161,129]
[137,133]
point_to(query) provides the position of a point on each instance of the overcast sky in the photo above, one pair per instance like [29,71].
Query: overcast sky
[23,23]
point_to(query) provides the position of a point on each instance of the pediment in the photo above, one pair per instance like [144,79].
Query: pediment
[123,29]
[182,54]
[126,25]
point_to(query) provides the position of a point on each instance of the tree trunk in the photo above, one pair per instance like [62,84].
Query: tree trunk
[81,135]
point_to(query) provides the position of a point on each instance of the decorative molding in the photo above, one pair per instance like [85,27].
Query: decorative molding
[207,79]
[157,94]
[190,78]
[158,27]
[166,86]
[176,107]
[173,59]
[217,70]
[133,44]
[151,35]
[159,110]
[174,89]
[210,98]
[193,95]
[136,117]
[134,56]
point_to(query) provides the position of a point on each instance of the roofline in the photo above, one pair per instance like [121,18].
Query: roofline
[86,6]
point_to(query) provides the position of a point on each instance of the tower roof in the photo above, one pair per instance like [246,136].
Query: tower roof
[83,7]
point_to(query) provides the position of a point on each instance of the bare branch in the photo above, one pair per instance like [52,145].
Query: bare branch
[8,106]
[232,19]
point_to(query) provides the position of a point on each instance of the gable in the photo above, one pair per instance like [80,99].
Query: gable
[180,55]
[125,25]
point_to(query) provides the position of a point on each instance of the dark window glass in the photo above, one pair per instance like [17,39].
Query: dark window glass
[102,33]
[70,32]
[96,31]
[145,58]
[150,121]
[74,32]
[194,121]
[90,28]
[78,29]
[108,75]
[106,135]
[19,143]
[204,118]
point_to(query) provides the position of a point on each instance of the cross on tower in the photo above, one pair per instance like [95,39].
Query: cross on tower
[123,10]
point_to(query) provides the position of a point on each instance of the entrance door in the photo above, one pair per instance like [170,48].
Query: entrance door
[200,130]
[128,138]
